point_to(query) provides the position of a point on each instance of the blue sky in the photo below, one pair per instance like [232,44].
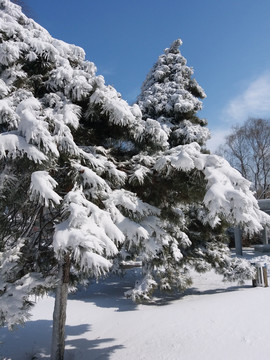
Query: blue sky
[227,43]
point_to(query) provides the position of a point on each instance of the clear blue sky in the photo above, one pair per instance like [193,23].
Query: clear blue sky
[227,42]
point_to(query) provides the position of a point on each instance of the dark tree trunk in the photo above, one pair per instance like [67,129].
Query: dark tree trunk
[59,313]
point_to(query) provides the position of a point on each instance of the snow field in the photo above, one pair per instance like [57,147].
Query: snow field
[214,320]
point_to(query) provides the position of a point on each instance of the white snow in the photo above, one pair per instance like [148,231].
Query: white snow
[88,233]
[42,185]
[14,145]
[228,194]
[214,320]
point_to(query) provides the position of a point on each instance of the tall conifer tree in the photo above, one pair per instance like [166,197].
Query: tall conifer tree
[198,195]
[61,129]
[84,175]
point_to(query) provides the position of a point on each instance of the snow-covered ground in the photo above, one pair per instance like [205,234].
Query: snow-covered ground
[214,320]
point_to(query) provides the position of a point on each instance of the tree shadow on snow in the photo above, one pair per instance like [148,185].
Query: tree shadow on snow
[196,291]
[161,299]
[110,292]
[90,349]
[33,341]
[25,341]
[83,348]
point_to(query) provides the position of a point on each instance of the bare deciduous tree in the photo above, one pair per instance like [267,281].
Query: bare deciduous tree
[247,149]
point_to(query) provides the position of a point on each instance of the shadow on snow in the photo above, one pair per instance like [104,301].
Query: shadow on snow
[33,342]
[110,292]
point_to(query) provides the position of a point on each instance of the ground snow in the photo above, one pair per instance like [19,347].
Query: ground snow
[214,320]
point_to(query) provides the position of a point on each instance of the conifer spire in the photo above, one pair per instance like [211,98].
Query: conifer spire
[172,96]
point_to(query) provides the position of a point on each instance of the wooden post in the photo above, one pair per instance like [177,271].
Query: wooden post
[265,278]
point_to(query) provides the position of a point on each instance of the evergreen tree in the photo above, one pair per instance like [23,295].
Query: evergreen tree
[171,96]
[61,132]
[197,195]
[84,175]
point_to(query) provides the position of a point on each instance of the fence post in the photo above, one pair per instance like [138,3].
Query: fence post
[261,275]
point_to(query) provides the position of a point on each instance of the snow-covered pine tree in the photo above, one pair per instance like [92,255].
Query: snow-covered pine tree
[74,157]
[61,187]
[198,195]
[172,96]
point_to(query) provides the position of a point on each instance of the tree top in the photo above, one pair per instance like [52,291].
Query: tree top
[174,48]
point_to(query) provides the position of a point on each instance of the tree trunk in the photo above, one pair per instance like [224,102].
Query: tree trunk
[59,313]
